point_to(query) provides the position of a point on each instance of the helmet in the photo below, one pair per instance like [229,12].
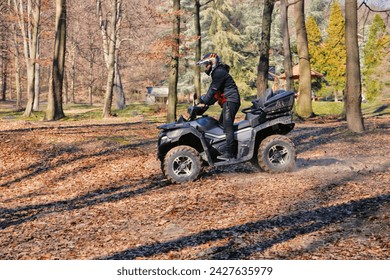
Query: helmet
[210,58]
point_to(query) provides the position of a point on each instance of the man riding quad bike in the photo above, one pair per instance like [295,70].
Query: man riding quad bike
[186,146]
[223,90]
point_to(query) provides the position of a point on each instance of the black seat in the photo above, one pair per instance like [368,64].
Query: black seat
[262,99]
[279,95]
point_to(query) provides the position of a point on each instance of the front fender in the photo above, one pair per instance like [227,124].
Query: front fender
[188,136]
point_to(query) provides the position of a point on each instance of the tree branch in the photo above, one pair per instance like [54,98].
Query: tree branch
[204,4]
[371,9]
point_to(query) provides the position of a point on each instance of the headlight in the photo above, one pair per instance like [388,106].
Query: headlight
[165,139]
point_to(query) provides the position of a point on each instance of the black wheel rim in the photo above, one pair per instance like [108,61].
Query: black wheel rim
[278,155]
[183,166]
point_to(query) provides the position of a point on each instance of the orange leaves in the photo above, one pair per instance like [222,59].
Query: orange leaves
[86,190]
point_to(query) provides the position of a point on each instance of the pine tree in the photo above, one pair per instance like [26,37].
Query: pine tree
[226,40]
[315,40]
[319,10]
[374,53]
[224,36]
[245,18]
[334,60]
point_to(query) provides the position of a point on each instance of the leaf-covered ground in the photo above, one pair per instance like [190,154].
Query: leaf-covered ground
[94,190]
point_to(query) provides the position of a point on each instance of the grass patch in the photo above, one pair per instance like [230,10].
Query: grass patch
[157,112]
[376,108]
[323,108]
[93,114]
[12,115]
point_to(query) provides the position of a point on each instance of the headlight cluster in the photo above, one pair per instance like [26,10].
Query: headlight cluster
[165,139]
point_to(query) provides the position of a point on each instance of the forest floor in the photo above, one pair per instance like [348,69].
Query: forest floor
[94,190]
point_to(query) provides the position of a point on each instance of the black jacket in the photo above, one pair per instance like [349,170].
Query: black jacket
[221,82]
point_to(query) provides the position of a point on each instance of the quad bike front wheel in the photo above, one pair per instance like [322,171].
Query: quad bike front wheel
[182,164]
[276,154]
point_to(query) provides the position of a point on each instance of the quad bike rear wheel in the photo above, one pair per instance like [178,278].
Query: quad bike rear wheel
[182,164]
[276,154]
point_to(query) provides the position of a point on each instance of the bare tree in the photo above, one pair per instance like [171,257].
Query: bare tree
[54,107]
[84,51]
[174,64]
[353,86]
[4,49]
[37,82]
[198,46]
[286,44]
[3,76]
[304,106]
[264,47]
[4,57]
[108,28]
[29,21]
[17,67]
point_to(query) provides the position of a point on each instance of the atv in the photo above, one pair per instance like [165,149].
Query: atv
[187,146]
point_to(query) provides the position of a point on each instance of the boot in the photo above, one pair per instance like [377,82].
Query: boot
[226,157]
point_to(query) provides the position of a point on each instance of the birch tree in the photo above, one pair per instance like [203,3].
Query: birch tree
[28,17]
[17,66]
[109,29]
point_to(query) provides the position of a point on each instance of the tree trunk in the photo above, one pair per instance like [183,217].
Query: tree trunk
[110,34]
[3,77]
[11,89]
[174,65]
[66,84]
[198,49]
[264,47]
[304,106]
[120,100]
[90,96]
[18,85]
[73,79]
[109,90]
[3,53]
[90,81]
[37,87]
[54,107]
[17,73]
[30,40]
[37,84]
[353,89]
[286,45]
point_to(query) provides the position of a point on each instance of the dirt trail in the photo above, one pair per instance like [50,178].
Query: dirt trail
[94,190]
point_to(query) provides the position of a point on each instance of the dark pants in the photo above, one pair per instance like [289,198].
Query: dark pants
[229,111]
